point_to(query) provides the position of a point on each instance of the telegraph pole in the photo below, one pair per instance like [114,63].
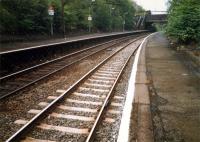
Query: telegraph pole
[124,21]
[89,20]
[62,14]
[51,14]
[111,22]
[90,16]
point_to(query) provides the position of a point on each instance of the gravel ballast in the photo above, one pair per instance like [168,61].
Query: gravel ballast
[31,97]
[17,106]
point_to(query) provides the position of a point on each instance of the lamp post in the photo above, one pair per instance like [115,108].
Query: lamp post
[111,9]
[124,21]
[62,16]
[89,22]
[90,16]
[51,14]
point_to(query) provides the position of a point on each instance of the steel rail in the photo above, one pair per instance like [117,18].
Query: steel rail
[23,130]
[51,73]
[107,101]
[54,60]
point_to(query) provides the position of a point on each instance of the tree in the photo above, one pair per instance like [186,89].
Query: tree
[102,16]
[24,16]
[184,20]
[31,16]
[7,21]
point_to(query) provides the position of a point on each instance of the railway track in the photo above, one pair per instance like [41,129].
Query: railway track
[75,113]
[13,83]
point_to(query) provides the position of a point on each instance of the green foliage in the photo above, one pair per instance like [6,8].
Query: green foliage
[114,13]
[184,20]
[128,10]
[20,16]
[31,16]
[102,16]
[7,20]
[159,27]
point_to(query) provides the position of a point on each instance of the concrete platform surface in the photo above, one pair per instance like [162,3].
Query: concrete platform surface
[166,105]
[174,92]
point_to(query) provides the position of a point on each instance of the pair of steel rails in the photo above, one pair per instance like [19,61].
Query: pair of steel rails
[34,121]
[10,85]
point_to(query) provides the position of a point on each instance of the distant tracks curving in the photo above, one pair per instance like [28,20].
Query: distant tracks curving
[82,105]
[13,83]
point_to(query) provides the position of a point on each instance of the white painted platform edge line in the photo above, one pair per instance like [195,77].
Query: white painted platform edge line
[123,135]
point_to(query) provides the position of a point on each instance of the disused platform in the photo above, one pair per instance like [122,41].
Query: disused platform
[166,97]
[175,93]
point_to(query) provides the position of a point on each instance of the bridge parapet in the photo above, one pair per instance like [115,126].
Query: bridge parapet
[156,18]
[147,18]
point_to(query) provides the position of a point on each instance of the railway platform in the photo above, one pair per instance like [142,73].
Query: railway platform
[27,44]
[133,89]
[166,98]
[10,47]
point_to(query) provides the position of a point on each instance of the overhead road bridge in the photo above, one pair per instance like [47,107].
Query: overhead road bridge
[156,18]
[144,20]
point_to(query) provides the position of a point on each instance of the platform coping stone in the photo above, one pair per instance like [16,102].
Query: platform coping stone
[123,135]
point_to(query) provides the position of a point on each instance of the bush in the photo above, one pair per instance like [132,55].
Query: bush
[23,16]
[184,20]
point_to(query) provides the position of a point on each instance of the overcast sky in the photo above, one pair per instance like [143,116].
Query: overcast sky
[153,5]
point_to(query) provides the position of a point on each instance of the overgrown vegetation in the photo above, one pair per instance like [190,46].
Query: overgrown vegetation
[31,16]
[184,20]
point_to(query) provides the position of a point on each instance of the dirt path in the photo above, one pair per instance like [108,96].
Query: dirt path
[175,94]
